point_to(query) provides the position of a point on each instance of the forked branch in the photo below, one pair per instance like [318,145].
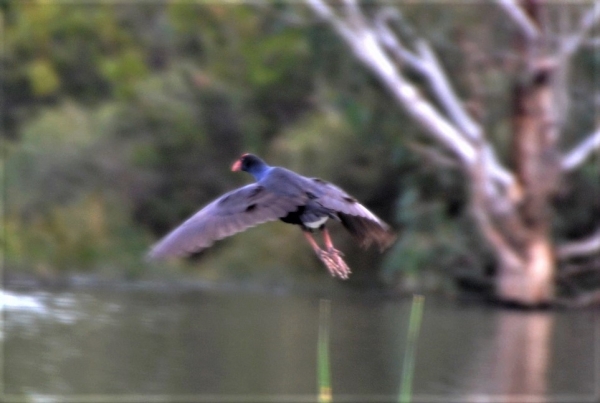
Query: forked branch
[576,40]
[371,40]
[428,65]
[581,152]
[584,247]
[520,17]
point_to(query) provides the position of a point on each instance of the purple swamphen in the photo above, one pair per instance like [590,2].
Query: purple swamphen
[278,194]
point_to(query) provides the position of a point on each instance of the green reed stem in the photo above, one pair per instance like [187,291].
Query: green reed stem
[323,372]
[408,366]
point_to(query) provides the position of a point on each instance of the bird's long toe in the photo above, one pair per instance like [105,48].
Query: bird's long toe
[334,263]
[335,252]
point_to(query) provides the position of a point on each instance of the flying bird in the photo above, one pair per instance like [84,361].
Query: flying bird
[278,194]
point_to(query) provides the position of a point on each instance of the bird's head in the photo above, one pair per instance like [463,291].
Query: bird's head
[252,164]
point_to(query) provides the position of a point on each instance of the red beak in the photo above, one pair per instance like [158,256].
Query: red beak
[237,166]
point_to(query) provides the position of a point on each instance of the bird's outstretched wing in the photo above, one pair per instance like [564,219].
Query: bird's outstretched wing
[231,213]
[365,226]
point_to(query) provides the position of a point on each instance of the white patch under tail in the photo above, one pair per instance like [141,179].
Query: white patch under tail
[316,224]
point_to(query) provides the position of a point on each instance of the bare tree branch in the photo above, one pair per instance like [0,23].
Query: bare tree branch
[567,48]
[354,14]
[446,94]
[433,155]
[582,300]
[584,247]
[500,173]
[578,155]
[325,12]
[428,65]
[480,210]
[391,42]
[368,46]
[365,46]
[589,19]
[577,269]
[514,11]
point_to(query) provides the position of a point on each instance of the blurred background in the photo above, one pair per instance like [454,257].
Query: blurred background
[122,119]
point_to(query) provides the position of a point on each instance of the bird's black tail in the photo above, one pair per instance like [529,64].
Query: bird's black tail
[367,232]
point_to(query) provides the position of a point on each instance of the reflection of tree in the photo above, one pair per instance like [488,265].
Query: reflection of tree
[512,207]
[516,363]
[523,346]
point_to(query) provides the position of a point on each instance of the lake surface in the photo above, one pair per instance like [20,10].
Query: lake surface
[143,344]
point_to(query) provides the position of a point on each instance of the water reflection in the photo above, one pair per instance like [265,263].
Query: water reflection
[516,361]
[229,346]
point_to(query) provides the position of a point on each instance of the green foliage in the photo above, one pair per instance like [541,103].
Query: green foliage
[43,78]
[438,233]
[123,71]
[60,211]
[83,234]
[49,163]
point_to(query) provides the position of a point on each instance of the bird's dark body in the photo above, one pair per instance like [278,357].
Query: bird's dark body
[294,216]
[307,214]
[277,194]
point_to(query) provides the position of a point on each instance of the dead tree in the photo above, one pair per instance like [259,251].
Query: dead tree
[511,206]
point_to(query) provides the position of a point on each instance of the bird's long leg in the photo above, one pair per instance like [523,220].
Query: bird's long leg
[312,242]
[329,243]
[331,260]
[342,268]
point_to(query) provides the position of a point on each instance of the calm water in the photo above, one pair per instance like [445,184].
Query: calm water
[155,345]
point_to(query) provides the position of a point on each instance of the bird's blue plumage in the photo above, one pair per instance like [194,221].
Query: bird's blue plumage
[259,170]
